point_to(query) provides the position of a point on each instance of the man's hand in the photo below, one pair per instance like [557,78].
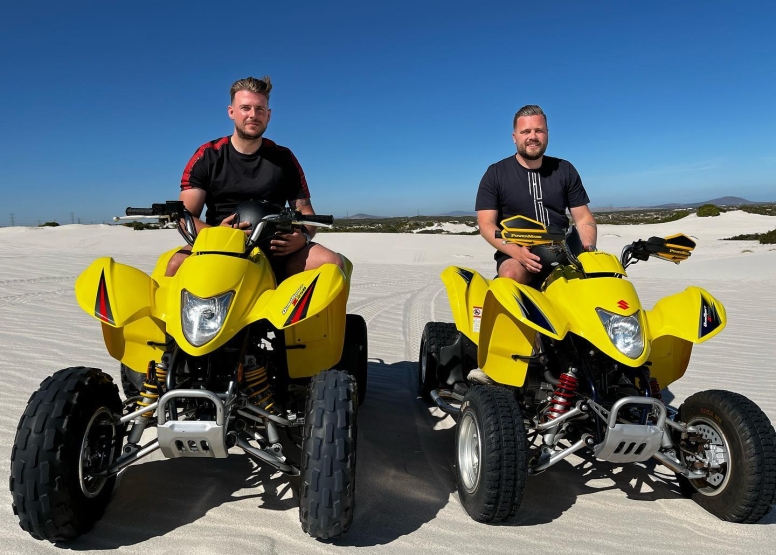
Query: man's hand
[229,222]
[285,243]
[526,258]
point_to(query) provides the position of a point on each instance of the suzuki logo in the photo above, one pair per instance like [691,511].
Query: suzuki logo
[622,304]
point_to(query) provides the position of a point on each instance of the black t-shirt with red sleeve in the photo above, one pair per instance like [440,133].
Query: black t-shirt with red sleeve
[229,177]
[542,195]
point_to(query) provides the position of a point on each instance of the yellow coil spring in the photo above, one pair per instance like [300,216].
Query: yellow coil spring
[256,380]
[150,392]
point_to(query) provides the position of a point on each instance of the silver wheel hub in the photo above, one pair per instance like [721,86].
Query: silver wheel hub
[469,452]
[714,458]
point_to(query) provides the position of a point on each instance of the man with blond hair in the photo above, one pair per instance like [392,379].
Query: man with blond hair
[248,166]
[533,185]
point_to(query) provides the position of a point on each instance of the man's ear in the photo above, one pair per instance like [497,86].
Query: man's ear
[230,111]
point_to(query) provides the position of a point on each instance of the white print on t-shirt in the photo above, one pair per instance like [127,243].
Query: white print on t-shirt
[535,190]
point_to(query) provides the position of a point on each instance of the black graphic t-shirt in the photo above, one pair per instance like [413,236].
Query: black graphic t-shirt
[542,195]
[229,177]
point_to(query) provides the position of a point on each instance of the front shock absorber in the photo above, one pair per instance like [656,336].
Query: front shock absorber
[654,389]
[259,391]
[155,374]
[563,396]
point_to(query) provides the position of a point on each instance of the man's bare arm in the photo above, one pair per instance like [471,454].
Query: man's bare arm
[586,226]
[304,206]
[194,201]
[487,221]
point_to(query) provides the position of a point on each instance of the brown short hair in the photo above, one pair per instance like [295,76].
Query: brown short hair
[529,110]
[260,86]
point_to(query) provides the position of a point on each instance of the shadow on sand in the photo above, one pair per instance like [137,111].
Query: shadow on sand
[405,476]
[396,489]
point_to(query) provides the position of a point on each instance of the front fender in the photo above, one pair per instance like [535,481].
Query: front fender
[512,314]
[693,315]
[300,296]
[678,322]
[97,292]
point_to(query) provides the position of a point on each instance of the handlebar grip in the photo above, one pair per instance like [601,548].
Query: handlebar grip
[139,211]
[498,234]
[318,218]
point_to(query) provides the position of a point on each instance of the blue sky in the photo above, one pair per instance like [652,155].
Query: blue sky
[392,108]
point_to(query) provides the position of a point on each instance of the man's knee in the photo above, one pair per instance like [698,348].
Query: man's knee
[175,262]
[512,269]
[320,255]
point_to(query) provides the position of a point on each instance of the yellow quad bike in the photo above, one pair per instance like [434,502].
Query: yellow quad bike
[533,375]
[226,358]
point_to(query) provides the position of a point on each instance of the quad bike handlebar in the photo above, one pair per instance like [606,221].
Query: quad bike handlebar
[284,219]
[674,248]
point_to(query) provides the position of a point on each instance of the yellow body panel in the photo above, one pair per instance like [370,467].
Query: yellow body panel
[97,287]
[512,314]
[466,292]
[577,300]
[220,239]
[136,309]
[599,262]
[676,323]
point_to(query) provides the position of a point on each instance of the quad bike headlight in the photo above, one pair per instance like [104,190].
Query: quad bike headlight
[201,319]
[624,332]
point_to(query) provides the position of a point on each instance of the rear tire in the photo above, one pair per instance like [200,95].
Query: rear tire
[65,435]
[743,488]
[435,336]
[329,455]
[355,353]
[491,454]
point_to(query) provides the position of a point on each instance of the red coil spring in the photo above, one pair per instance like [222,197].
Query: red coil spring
[563,395]
[654,389]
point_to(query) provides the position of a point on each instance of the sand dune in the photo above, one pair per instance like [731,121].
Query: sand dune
[406,496]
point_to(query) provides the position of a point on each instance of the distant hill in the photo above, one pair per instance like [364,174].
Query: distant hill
[722,201]
[459,213]
[360,216]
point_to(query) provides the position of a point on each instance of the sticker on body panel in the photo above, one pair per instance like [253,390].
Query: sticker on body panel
[476,318]
[294,298]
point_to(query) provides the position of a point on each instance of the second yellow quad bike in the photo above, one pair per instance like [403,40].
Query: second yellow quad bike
[220,357]
[533,375]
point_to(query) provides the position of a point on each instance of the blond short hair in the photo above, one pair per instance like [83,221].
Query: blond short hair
[259,86]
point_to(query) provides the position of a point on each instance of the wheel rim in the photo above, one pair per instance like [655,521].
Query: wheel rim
[719,451]
[469,452]
[97,450]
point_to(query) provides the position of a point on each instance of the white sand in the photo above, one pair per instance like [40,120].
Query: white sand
[406,497]
[448,227]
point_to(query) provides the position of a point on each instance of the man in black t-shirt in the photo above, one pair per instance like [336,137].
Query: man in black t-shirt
[535,186]
[246,166]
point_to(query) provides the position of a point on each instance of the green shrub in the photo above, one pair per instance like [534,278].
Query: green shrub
[768,238]
[49,224]
[708,210]
[139,226]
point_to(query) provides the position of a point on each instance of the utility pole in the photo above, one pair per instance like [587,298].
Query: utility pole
[12,222]
[72,218]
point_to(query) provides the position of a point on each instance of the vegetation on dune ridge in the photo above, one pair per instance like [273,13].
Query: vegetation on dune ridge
[618,217]
[428,224]
[768,238]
